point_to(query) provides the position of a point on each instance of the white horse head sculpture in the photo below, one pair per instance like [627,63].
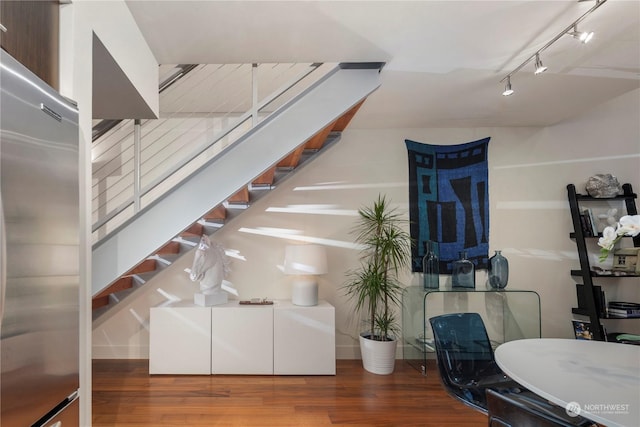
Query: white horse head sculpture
[210,266]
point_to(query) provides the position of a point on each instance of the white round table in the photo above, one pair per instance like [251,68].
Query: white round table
[598,380]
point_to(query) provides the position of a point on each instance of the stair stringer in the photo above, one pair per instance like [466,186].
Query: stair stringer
[228,172]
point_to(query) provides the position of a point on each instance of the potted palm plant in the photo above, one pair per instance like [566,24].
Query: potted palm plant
[374,286]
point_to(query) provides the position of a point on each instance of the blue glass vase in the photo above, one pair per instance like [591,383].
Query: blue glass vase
[498,271]
[464,273]
[430,269]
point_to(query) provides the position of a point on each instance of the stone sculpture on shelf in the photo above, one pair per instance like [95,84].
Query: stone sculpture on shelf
[210,267]
[603,186]
[609,218]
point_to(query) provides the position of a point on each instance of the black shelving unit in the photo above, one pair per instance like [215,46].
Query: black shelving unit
[591,308]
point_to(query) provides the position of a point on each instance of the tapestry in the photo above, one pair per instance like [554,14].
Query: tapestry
[449,201]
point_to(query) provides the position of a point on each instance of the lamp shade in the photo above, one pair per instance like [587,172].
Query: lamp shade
[305,260]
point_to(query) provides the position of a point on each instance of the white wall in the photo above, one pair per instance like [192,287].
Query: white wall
[530,220]
[113,23]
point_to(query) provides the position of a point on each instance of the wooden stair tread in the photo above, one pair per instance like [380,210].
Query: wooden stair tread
[293,159]
[241,196]
[317,141]
[123,283]
[216,214]
[144,267]
[170,248]
[98,302]
[345,119]
[194,230]
[266,178]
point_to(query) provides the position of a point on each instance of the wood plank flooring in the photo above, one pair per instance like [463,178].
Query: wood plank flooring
[124,394]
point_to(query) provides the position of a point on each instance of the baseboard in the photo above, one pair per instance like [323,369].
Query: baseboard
[142,352]
[119,352]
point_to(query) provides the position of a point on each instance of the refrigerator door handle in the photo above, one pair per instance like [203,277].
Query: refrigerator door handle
[3,262]
[50,112]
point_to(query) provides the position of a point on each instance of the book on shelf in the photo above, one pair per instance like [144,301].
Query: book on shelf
[624,304]
[591,226]
[623,309]
[623,313]
[585,224]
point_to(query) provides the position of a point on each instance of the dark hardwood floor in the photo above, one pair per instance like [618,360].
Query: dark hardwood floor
[124,394]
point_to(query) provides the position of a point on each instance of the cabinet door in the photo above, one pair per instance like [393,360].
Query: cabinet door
[304,339]
[242,339]
[180,340]
[32,35]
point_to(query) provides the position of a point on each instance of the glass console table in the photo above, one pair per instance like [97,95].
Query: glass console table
[508,314]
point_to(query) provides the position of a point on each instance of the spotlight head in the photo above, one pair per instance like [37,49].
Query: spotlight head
[584,36]
[540,68]
[507,89]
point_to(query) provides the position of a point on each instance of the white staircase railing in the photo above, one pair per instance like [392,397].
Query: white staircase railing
[137,162]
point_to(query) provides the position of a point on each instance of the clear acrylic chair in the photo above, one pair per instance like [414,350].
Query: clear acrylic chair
[469,372]
[465,358]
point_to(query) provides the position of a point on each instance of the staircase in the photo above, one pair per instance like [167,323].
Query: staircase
[270,151]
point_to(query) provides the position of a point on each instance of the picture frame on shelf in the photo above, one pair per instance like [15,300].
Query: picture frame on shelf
[583,330]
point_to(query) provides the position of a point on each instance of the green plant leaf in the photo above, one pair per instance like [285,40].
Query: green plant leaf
[375,287]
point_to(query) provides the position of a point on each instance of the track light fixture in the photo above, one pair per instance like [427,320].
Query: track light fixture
[584,36]
[507,88]
[540,68]
[571,30]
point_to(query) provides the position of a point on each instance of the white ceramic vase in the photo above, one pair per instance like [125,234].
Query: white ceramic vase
[378,357]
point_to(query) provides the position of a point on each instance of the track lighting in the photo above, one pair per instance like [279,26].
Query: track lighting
[571,30]
[584,36]
[540,68]
[507,88]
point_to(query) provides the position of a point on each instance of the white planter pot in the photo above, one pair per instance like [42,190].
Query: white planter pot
[378,357]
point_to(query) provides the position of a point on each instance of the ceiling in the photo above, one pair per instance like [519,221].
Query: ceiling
[444,59]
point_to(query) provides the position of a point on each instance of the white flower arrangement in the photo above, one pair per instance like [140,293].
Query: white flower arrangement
[629,225]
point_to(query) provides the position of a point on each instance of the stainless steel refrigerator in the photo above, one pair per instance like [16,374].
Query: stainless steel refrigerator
[39,259]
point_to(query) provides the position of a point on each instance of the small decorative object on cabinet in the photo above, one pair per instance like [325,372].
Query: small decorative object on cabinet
[430,268]
[304,262]
[210,267]
[464,272]
[590,295]
[498,271]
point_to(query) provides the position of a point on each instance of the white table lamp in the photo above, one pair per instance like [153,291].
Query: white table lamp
[305,261]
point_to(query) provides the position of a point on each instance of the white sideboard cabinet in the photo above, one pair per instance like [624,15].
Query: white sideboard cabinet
[281,339]
[304,339]
[242,339]
[180,340]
